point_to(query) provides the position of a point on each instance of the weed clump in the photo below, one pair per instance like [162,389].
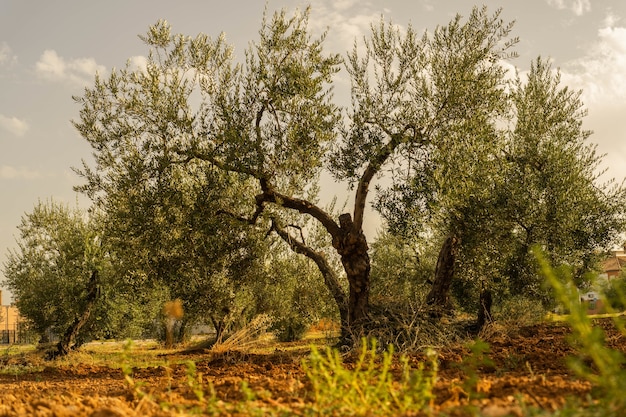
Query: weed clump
[375,384]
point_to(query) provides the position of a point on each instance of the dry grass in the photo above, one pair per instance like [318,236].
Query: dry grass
[245,337]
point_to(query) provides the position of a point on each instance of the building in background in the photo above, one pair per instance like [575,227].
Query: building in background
[9,323]
[613,265]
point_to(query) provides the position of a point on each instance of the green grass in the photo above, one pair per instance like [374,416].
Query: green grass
[371,386]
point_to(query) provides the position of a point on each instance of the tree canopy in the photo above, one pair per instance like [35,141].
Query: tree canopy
[270,121]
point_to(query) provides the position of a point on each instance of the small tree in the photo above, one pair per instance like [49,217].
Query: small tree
[55,272]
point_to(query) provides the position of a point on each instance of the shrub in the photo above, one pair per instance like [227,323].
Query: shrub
[289,328]
[596,362]
[521,310]
[369,387]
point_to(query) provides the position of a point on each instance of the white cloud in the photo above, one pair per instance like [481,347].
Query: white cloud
[77,71]
[50,65]
[578,7]
[346,21]
[601,73]
[6,54]
[611,19]
[344,4]
[14,125]
[138,62]
[8,172]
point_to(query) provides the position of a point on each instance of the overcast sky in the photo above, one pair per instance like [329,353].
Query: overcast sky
[50,50]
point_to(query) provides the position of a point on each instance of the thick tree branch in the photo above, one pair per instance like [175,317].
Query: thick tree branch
[374,167]
[270,195]
[330,278]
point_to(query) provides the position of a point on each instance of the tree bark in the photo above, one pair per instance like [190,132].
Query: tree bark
[66,343]
[220,328]
[439,296]
[351,245]
[484,308]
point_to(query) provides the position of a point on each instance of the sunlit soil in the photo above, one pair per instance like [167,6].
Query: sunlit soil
[107,379]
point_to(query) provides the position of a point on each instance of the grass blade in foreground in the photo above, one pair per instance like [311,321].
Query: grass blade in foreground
[606,370]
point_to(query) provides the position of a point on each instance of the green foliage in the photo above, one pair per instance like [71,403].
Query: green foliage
[193,149]
[596,362]
[195,133]
[471,364]
[369,386]
[194,381]
[400,271]
[58,248]
[136,387]
[614,292]
[519,310]
[292,292]
[533,179]
[159,197]
[289,328]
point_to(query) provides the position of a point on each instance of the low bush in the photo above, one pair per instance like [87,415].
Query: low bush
[376,384]
[289,328]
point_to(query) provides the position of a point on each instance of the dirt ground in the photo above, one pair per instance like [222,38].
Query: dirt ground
[528,368]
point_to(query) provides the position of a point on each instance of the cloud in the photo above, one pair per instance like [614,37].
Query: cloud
[78,71]
[6,55]
[346,21]
[8,172]
[578,7]
[14,125]
[601,75]
[138,62]
[601,72]
[611,19]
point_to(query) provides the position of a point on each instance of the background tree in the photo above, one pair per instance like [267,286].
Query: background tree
[56,272]
[536,181]
[554,195]
[401,271]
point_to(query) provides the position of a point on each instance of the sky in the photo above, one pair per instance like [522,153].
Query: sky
[51,50]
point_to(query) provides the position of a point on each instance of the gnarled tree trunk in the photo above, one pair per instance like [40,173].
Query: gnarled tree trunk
[351,245]
[439,296]
[67,342]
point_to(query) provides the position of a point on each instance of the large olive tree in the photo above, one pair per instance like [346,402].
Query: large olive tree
[271,123]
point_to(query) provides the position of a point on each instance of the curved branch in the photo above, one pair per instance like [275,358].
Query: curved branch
[374,167]
[330,278]
[270,195]
[260,206]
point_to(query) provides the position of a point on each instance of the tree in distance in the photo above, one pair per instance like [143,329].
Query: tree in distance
[55,272]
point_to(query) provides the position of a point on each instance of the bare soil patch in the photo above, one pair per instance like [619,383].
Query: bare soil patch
[528,369]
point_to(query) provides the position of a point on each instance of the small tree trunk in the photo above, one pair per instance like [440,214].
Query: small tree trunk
[182,331]
[220,328]
[66,343]
[484,308]
[439,296]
